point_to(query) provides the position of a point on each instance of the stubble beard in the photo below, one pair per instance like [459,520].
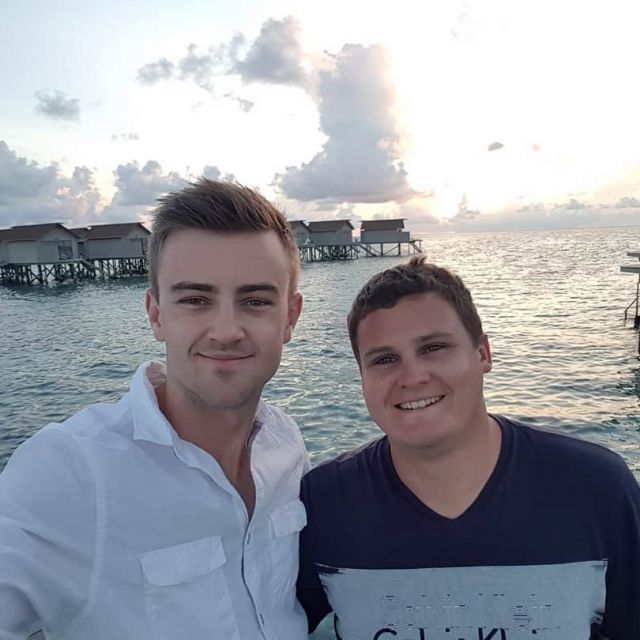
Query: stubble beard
[217,400]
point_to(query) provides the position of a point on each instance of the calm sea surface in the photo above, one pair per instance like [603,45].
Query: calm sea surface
[551,301]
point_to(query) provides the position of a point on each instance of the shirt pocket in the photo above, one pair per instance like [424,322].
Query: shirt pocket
[286,522]
[186,591]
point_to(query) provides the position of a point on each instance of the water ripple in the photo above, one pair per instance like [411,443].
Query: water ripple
[551,303]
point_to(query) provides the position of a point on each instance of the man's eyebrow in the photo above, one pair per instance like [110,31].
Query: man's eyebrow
[436,335]
[373,352]
[266,287]
[186,285]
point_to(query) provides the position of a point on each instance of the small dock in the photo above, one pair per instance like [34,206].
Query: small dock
[635,303]
[43,273]
[355,250]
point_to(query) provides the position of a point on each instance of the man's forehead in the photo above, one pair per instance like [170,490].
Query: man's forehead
[223,259]
[422,315]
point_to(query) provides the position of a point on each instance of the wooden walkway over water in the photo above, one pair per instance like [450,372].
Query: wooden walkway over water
[103,268]
[74,270]
[354,250]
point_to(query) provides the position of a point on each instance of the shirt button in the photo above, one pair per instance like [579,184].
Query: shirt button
[261,619]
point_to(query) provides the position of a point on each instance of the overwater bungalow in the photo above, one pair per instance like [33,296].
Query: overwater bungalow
[300,230]
[49,243]
[331,232]
[112,241]
[390,230]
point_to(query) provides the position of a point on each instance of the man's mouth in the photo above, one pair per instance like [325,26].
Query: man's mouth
[224,356]
[412,405]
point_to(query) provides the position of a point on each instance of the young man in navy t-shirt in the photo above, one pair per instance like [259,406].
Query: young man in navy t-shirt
[457,524]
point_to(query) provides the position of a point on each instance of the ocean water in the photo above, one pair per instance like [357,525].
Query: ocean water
[552,304]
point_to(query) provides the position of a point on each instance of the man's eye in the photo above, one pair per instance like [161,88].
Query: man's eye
[384,360]
[429,348]
[193,301]
[257,302]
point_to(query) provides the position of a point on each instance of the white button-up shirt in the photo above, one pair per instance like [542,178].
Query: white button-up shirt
[112,527]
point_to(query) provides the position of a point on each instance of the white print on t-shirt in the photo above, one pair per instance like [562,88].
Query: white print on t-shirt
[537,602]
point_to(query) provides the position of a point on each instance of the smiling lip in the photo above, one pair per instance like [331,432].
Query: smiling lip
[224,357]
[422,403]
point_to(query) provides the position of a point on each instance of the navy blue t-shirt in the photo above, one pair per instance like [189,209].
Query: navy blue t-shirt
[550,549]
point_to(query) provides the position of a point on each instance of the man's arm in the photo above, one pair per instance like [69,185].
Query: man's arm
[48,515]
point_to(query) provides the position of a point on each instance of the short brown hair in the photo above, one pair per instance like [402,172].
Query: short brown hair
[210,205]
[385,289]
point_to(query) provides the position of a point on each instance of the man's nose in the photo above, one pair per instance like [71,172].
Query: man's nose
[414,372]
[225,325]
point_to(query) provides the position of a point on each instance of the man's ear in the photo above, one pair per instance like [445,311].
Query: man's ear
[293,313]
[153,311]
[484,349]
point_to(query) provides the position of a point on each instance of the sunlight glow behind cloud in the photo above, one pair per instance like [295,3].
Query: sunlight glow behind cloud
[400,112]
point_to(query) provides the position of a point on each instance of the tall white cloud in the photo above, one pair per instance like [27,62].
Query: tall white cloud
[360,162]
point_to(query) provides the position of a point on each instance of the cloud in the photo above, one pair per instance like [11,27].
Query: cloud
[154,72]
[574,205]
[211,172]
[464,213]
[125,136]
[536,216]
[627,202]
[56,105]
[31,193]
[199,68]
[276,55]
[141,186]
[494,146]
[245,105]
[360,162]
[538,207]
[417,210]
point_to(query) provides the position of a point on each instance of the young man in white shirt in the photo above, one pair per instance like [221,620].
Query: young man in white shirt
[174,513]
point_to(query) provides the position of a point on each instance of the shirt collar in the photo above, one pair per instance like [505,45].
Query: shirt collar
[149,423]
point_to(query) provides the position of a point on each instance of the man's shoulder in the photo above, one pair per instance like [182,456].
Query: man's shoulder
[567,452]
[97,425]
[351,467]
[561,441]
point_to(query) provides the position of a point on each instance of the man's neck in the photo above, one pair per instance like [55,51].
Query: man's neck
[449,478]
[225,435]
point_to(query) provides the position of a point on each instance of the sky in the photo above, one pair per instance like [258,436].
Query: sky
[457,116]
